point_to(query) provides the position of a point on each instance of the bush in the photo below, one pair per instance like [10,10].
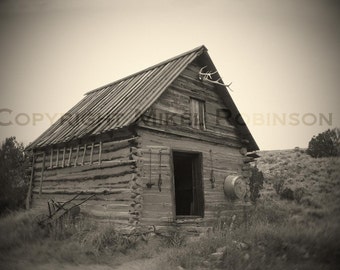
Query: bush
[325,144]
[106,239]
[255,184]
[174,238]
[287,194]
[278,185]
[13,179]
[298,194]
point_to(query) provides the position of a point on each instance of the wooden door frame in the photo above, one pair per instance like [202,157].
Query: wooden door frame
[200,176]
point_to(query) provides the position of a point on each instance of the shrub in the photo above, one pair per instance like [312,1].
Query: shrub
[268,212]
[287,194]
[278,185]
[325,144]
[255,184]
[174,238]
[105,239]
[298,194]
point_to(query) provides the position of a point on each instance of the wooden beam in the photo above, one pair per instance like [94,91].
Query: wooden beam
[63,162]
[57,159]
[76,159]
[100,152]
[122,141]
[29,193]
[51,158]
[172,186]
[84,153]
[91,154]
[69,157]
[42,174]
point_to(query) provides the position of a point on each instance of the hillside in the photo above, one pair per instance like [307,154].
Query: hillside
[315,182]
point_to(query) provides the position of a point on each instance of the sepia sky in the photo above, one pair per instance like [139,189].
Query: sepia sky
[282,58]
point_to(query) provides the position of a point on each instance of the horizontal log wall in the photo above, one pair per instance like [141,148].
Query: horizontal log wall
[158,206]
[104,169]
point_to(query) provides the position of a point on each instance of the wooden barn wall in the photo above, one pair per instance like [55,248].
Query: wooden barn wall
[171,112]
[158,205]
[165,126]
[107,170]
[156,176]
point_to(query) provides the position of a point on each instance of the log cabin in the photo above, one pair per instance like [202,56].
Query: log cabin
[164,146]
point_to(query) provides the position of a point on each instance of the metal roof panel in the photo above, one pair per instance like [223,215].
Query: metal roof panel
[118,104]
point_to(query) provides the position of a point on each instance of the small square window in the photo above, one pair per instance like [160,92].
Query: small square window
[197,109]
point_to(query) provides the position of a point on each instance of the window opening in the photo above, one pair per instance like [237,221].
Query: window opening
[197,113]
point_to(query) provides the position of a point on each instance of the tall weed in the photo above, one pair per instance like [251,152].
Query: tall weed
[273,240]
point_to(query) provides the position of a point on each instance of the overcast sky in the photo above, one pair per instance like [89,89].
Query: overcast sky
[282,57]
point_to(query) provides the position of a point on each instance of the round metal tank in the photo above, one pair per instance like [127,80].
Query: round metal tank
[235,186]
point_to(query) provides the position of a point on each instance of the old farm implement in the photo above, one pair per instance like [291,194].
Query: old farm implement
[57,211]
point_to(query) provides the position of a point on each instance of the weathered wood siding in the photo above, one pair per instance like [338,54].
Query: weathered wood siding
[106,170]
[155,166]
[167,126]
[158,205]
[171,112]
[133,179]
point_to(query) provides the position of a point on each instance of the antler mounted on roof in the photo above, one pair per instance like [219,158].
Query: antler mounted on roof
[207,76]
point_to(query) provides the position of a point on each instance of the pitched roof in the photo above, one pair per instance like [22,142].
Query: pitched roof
[121,103]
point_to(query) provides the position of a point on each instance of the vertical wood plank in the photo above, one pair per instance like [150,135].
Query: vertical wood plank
[57,160]
[51,158]
[76,158]
[172,184]
[91,154]
[29,193]
[100,152]
[84,153]
[42,173]
[63,162]
[69,157]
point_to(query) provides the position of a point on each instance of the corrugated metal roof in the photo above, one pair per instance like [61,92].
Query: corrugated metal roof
[118,104]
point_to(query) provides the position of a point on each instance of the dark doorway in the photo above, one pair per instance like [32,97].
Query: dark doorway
[188,183]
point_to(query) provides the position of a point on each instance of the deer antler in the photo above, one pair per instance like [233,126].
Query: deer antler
[207,76]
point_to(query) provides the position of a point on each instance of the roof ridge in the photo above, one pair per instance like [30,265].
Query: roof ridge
[202,47]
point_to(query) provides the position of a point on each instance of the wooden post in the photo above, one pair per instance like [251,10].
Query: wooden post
[42,174]
[57,160]
[172,185]
[82,160]
[51,158]
[29,193]
[63,162]
[69,157]
[100,152]
[76,159]
[91,155]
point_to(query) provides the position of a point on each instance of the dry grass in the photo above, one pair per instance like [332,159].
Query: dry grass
[81,242]
[273,240]
[303,233]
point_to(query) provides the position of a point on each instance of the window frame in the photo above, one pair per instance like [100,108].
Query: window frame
[200,112]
